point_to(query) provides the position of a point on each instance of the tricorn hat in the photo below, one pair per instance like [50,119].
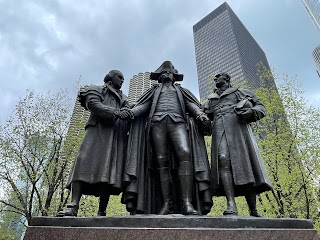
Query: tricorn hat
[222,74]
[166,65]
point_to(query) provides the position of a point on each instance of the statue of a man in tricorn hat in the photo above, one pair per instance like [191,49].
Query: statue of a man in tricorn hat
[167,169]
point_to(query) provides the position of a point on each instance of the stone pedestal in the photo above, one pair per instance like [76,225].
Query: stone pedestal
[169,227]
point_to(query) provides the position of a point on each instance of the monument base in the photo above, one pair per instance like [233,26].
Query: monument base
[169,227]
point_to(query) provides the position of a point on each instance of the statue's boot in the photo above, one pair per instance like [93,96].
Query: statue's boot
[167,191]
[71,210]
[103,203]
[185,172]
[231,208]
[227,182]
[73,207]
[130,206]
[252,204]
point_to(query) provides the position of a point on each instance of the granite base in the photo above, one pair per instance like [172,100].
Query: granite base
[169,227]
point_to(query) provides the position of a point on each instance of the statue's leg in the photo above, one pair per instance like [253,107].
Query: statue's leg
[103,203]
[159,145]
[180,142]
[185,173]
[167,191]
[252,203]
[72,208]
[226,177]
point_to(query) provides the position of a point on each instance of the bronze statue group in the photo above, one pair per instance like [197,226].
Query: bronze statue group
[154,152]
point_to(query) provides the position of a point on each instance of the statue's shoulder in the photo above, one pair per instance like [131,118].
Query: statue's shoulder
[152,88]
[211,96]
[88,90]
[246,92]
[155,85]
[188,94]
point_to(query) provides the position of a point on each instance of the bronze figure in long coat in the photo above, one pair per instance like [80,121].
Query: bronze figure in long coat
[99,165]
[236,163]
[167,169]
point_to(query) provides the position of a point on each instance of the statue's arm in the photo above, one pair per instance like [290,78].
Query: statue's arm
[206,108]
[141,108]
[259,110]
[193,108]
[94,104]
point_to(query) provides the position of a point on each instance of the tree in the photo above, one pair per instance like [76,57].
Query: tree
[32,166]
[289,139]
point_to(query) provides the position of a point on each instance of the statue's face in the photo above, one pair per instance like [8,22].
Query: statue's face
[117,80]
[166,75]
[220,81]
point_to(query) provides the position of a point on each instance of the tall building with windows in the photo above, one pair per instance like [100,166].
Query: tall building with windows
[313,8]
[223,44]
[138,85]
[316,58]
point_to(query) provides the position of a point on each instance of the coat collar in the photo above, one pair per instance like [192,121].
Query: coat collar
[226,92]
[112,89]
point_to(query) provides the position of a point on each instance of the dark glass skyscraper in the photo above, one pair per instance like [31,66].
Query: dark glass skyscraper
[313,8]
[223,44]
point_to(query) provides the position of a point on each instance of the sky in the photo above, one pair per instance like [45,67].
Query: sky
[50,45]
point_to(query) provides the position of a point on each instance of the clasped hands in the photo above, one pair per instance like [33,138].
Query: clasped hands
[204,119]
[124,114]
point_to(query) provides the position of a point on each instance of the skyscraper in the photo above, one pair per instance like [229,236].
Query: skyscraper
[313,8]
[316,58]
[138,85]
[223,44]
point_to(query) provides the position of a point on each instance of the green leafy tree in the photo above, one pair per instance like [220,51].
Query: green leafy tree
[290,136]
[32,168]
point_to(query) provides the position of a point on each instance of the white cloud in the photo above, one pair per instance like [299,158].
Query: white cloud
[49,44]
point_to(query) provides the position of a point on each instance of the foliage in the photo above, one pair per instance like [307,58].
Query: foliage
[38,146]
[289,144]
[32,167]
[89,206]
[6,231]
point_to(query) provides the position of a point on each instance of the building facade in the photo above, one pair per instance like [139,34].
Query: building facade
[316,58]
[223,44]
[139,84]
[313,8]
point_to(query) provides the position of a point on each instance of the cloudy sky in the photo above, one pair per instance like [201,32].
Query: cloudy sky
[48,45]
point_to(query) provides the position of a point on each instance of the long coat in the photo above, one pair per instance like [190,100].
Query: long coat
[141,175]
[246,162]
[100,160]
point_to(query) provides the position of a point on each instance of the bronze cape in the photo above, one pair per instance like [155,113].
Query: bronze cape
[141,176]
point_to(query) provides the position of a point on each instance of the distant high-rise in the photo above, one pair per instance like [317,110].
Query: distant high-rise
[223,44]
[138,85]
[316,58]
[313,8]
